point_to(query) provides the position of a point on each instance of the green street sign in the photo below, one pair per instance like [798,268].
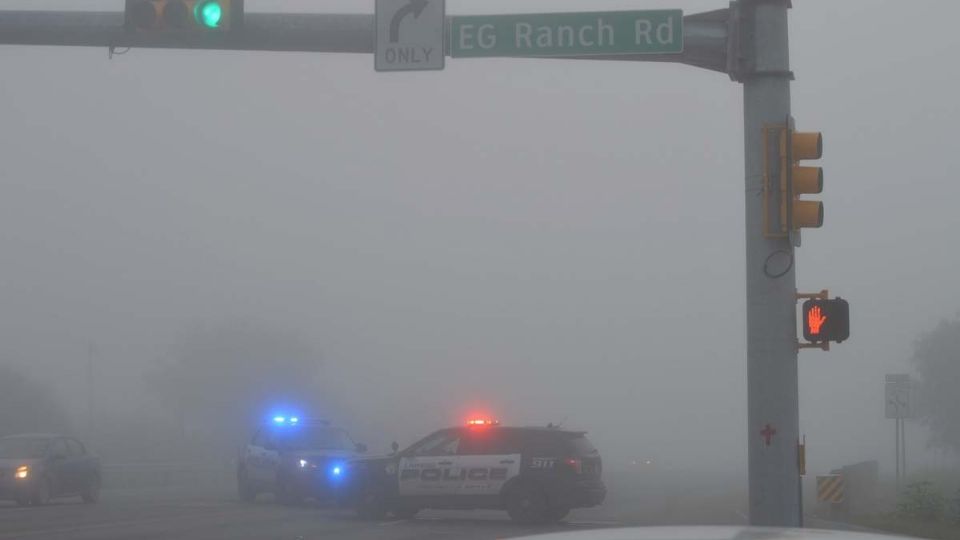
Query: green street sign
[568,34]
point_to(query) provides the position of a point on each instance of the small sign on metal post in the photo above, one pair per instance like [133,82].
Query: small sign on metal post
[898,396]
[410,35]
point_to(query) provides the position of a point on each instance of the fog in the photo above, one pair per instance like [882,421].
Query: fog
[534,240]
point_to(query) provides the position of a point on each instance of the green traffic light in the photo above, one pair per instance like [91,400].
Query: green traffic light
[209,14]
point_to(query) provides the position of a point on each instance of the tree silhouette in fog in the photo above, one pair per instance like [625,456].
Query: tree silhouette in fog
[27,406]
[221,381]
[936,356]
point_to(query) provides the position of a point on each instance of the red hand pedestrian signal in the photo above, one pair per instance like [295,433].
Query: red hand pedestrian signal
[826,320]
[815,320]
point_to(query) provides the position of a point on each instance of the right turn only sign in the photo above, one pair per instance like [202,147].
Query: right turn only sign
[410,35]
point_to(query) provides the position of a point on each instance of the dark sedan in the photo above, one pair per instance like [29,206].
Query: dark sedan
[37,468]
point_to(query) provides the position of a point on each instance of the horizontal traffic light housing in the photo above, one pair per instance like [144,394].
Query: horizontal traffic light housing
[826,320]
[183,15]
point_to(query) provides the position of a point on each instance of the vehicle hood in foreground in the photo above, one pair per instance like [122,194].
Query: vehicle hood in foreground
[709,533]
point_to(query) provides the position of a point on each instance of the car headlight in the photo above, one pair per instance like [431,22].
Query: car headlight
[22,472]
[304,463]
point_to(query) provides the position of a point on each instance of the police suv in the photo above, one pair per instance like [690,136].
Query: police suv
[295,459]
[536,474]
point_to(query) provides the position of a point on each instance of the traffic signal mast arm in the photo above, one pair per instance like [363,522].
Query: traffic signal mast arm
[706,35]
[301,32]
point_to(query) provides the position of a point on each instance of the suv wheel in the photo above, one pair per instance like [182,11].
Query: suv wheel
[287,494]
[405,511]
[527,503]
[246,492]
[555,514]
[372,503]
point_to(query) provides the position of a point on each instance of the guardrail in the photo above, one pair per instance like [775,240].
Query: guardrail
[168,474]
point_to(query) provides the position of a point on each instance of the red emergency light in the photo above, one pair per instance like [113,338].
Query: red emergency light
[482,422]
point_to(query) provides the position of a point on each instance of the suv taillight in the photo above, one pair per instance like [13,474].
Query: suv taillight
[574,464]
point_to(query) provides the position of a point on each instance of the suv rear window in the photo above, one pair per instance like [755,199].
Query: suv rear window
[581,446]
[556,443]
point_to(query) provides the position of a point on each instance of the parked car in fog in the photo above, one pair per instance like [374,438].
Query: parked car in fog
[35,468]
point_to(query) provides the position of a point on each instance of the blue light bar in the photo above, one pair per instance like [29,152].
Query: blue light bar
[294,420]
[279,419]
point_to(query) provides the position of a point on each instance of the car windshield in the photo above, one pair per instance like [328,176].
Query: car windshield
[314,438]
[22,447]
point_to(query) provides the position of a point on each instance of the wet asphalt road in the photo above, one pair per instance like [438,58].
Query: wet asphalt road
[165,515]
[214,512]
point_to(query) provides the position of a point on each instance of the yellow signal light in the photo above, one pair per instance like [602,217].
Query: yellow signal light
[806,145]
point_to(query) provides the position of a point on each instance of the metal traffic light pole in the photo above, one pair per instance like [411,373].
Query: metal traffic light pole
[748,41]
[772,385]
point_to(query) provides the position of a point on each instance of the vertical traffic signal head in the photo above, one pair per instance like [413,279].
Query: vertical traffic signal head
[802,180]
[826,320]
[183,15]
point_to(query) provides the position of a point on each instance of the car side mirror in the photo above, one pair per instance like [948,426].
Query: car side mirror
[361,448]
[395,447]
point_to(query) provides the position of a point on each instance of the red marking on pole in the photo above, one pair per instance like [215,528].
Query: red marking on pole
[767,433]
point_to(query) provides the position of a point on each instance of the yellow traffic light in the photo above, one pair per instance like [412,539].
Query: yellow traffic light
[183,15]
[800,180]
[785,180]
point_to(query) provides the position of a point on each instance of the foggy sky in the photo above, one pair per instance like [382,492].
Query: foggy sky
[540,240]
